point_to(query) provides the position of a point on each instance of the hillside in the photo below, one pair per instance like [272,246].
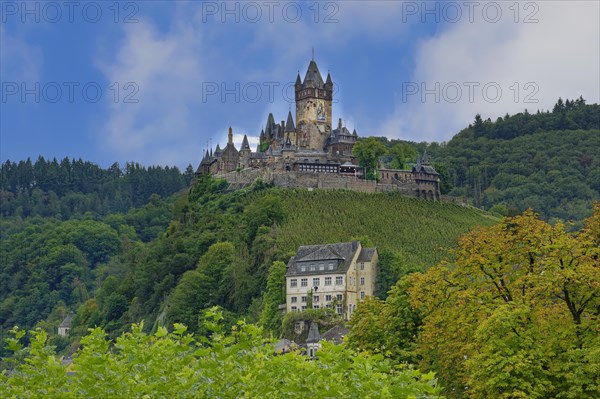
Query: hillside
[548,161]
[217,250]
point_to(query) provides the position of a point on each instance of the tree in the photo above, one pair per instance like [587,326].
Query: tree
[174,364]
[516,313]
[271,315]
[368,152]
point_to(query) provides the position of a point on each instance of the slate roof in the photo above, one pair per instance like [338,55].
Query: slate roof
[313,333]
[340,254]
[66,323]
[245,145]
[335,334]
[313,75]
[289,125]
[366,255]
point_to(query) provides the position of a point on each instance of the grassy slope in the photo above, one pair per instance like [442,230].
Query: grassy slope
[420,230]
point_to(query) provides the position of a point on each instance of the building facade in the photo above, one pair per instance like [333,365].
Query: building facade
[336,276]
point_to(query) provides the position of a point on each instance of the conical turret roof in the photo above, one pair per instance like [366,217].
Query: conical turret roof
[313,75]
[245,145]
[289,125]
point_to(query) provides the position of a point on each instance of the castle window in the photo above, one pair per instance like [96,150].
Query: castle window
[362,281]
[327,280]
[338,297]
[330,267]
[321,266]
[312,267]
[362,295]
[293,282]
[339,308]
[294,308]
[316,282]
[316,306]
[294,299]
[302,268]
[327,298]
[303,299]
[362,265]
[339,280]
[315,298]
[304,282]
[303,308]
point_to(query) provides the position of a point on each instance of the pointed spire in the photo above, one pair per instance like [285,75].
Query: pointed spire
[218,151]
[230,136]
[329,81]
[211,152]
[298,80]
[289,125]
[245,145]
[354,133]
[262,133]
[313,75]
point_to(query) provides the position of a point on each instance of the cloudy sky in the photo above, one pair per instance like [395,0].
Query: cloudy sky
[158,81]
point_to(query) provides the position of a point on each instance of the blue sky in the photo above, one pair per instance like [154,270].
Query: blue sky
[155,81]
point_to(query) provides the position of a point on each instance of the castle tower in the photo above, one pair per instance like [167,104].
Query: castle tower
[313,108]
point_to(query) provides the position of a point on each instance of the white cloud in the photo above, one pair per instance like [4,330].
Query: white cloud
[21,62]
[167,69]
[559,56]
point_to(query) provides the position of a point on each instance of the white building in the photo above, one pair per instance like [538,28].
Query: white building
[336,276]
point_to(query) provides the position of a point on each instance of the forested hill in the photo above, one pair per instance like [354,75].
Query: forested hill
[69,188]
[548,161]
[217,250]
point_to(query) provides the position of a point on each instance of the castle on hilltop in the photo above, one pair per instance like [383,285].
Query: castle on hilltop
[311,152]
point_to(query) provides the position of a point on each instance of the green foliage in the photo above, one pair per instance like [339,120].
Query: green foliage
[71,188]
[389,327]
[174,364]
[516,313]
[271,315]
[368,151]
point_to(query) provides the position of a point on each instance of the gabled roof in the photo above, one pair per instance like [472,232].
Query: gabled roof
[321,253]
[366,255]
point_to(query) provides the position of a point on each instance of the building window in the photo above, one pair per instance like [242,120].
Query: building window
[312,268]
[294,299]
[330,266]
[293,282]
[362,295]
[362,281]
[327,280]
[315,298]
[302,268]
[339,309]
[338,297]
[303,299]
[327,298]
[316,282]
[303,308]
[321,266]
[294,309]
[316,306]
[304,282]
[362,265]
[339,280]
